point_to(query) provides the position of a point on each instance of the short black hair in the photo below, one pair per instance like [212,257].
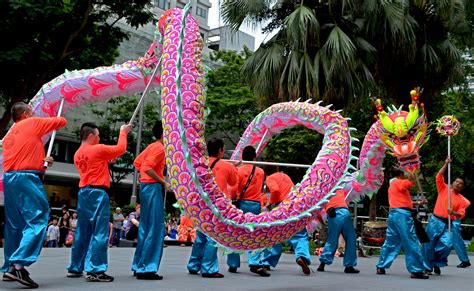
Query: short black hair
[270,169]
[249,153]
[396,172]
[158,129]
[18,109]
[86,129]
[214,145]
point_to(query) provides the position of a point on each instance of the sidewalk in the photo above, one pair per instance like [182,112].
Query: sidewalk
[50,273]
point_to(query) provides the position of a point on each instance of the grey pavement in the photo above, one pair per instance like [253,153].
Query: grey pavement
[50,273]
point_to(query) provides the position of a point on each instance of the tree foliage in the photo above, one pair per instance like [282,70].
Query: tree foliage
[231,104]
[42,38]
[337,49]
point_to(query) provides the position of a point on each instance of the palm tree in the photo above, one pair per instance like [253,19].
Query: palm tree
[337,49]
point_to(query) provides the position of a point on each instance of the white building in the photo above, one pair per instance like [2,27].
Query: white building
[223,38]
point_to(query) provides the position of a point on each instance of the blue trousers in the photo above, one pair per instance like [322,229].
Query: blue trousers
[254,258]
[203,255]
[91,239]
[458,242]
[401,234]
[300,244]
[436,252]
[26,217]
[151,230]
[342,223]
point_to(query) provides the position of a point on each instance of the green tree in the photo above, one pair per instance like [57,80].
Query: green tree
[42,38]
[336,49]
[231,104]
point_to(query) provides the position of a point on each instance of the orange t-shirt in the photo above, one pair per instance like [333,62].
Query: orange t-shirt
[458,202]
[225,175]
[465,204]
[153,157]
[91,161]
[279,184]
[399,195]
[186,221]
[22,146]
[254,190]
[337,201]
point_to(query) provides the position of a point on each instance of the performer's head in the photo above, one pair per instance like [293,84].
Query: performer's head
[249,154]
[270,169]
[458,185]
[90,133]
[397,173]
[20,111]
[215,148]
[158,130]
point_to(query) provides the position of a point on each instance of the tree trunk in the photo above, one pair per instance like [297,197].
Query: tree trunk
[373,208]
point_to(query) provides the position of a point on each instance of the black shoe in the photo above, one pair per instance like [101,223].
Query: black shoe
[437,270]
[149,276]
[419,275]
[22,276]
[380,271]
[5,277]
[98,277]
[232,269]
[351,270]
[73,274]
[304,266]
[267,268]
[213,275]
[464,264]
[192,272]
[321,267]
[260,271]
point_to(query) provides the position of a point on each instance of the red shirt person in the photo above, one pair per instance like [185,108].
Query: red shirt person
[89,250]
[26,205]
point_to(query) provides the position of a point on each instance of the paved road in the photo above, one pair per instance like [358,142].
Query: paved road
[50,274]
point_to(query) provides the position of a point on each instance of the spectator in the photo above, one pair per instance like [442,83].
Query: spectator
[117,226]
[131,232]
[63,229]
[52,235]
[72,229]
[125,225]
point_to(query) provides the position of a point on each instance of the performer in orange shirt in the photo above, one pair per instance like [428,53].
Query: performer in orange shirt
[186,231]
[26,205]
[436,252]
[204,253]
[249,189]
[401,229]
[151,232]
[339,221]
[89,251]
[279,184]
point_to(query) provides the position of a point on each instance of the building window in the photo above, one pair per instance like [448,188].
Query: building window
[201,12]
[161,4]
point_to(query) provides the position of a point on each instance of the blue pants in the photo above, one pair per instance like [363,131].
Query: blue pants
[254,258]
[342,223]
[91,239]
[26,217]
[436,252]
[401,234]
[458,242]
[151,230]
[300,244]
[203,255]
[53,243]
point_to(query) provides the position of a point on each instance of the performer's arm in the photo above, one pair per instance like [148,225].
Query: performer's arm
[45,125]
[152,173]
[109,152]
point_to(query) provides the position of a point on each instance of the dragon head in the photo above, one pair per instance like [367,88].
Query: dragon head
[403,133]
